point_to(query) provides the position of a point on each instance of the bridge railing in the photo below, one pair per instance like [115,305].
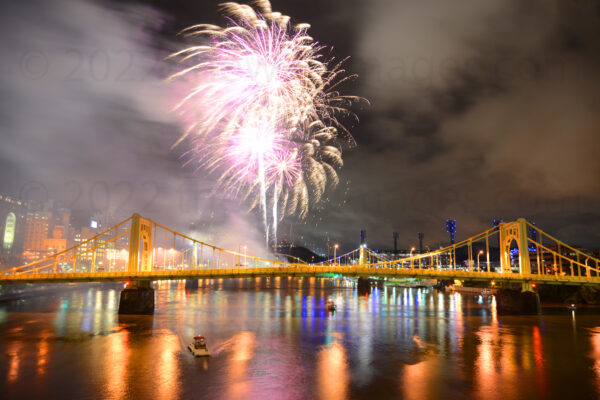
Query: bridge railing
[555,261]
[445,257]
[172,250]
[106,251]
[343,259]
[161,249]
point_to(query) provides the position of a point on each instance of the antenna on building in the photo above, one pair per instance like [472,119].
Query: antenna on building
[395,237]
[421,235]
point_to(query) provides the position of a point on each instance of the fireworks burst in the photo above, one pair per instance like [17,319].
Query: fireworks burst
[262,110]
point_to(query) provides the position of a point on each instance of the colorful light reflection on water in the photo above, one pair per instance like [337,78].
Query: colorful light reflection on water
[274,338]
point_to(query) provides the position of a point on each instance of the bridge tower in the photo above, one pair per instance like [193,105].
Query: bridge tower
[517,232]
[138,298]
[525,301]
[140,245]
[361,255]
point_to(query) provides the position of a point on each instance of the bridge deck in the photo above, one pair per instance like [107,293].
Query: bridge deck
[296,271]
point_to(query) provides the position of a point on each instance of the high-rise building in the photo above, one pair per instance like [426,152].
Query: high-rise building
[81,237]
[12,229]
[57,242]
[36,232]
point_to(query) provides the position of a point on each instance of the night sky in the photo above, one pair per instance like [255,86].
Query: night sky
[478,110]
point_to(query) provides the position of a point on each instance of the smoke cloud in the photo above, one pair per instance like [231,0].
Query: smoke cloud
[85,119]
[480,110]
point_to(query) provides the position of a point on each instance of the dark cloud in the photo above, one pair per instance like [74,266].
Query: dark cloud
[480,110]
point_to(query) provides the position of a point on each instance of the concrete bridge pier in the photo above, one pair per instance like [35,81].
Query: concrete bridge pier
[138,298]
[363,285]
[518,302]
[191,284]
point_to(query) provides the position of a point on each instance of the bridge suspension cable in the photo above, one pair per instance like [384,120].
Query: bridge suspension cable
[140,248]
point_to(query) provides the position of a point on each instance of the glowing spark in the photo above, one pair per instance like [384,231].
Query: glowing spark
[261,110]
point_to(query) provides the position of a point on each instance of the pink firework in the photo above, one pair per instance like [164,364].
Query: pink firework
[262,111]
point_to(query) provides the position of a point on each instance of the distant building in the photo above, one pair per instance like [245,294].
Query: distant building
[37,227]
[391,255]
[85,249]
[12,229]
[57,242]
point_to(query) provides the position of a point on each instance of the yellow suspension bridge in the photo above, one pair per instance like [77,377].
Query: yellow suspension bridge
[140,249]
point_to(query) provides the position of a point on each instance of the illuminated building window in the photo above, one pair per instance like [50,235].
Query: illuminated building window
[9,231]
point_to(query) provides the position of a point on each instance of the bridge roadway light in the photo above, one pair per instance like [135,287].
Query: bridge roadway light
[478,255]
[412,262]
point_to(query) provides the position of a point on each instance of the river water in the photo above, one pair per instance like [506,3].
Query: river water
[274,339]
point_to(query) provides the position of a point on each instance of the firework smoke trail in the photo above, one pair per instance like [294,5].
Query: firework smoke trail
[261,110]
[263,198]
[274,228]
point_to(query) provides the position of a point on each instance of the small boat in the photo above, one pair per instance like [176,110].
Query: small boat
[330,305]
[572,307]
[198,348]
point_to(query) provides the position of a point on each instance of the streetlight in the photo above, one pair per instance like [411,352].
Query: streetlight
[412,262]
[479,254]
[335,247]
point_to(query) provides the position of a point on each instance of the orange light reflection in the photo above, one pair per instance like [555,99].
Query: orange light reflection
[538,356]
[243,351]
[595,353]
[333,375]
[418,380]
[42,353]
[14,361]
[167,371]
[116,365]
[496,364]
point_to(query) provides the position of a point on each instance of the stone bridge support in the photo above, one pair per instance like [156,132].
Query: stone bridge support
[138,297]
[509,300]
[517,302]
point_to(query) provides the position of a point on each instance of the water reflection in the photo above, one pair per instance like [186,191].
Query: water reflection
[418,381]
[14,362]
[116,365]
[595,353]
[167,372]
[333,376]
[42,352]
[242,345]
[275,338]
[538,356]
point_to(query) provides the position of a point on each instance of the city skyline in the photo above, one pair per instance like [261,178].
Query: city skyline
[31,231]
